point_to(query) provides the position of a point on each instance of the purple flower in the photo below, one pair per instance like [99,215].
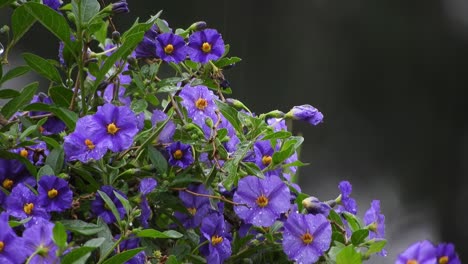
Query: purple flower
[197,206]
[53,125]
[266,198]
[35,153]
[54,4]
[180,155]
[375,220]
[214,231]
[199,102]
[120,7]
[168,131]
[348,203]
[171,47]
[54,194]
[307,113]
[205,45]
[13,172]
[278,124]
[263,153]
[446,254]
[10,243]
[114,126]
[83,144]
[147,185]
[147,47]
[306,237]
[422,252]
[100,208]
[23,203]
[38,241]
[315,206]
[131,243]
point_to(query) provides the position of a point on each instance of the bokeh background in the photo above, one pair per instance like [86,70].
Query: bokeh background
[389,76]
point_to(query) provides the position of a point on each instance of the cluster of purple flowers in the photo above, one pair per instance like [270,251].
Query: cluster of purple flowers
[424,252]
[202,46]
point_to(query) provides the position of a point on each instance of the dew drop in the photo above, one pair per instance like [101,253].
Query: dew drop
[1,49]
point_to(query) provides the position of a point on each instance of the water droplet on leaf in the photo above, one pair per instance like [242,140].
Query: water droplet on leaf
[1,49]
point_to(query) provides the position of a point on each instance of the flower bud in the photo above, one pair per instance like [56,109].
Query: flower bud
[4,29]
[315,206]
[116,37]
[200,25]
[306,113]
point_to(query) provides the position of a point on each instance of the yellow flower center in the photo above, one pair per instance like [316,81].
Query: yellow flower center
[112,128]
[52,193]
[90,144]
[2,245]
[178,154]
[307,238]
[266,160]
[262,201]
[24,153]
[192,211]
[28,208]
[201,103]
[7,184]
[169,49]
[412,261]
[206,47]
[215,240]
[444,260]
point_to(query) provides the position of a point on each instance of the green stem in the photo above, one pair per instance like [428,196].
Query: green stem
[110,250]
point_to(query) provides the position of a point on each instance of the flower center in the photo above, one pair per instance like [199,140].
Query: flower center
[444,260]
[112,128]
[42,250]
[201,103]
[24,153]
[412,261]
[266,160]
[192,211]
[2,245]
[206,47]
[262,201]
[41,129]
[90,144]
[27,208]
[52,193]
[215,240]
[178,154]
[7,184]
[307,238]
[169,49]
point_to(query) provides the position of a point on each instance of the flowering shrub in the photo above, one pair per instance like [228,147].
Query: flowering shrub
[138,154]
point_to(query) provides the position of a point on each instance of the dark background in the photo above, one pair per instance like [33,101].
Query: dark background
[388,75]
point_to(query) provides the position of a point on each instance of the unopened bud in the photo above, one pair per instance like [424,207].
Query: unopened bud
[314,206]
[116,37]
[200,25]
[4,29]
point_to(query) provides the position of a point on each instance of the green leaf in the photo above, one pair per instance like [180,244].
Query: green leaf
[172,260]
[61,96]
[334,217]
[253,169]
[21,22]
[376,247]
[15,72]
[45,170]
[124,201]
[348,255]
[158,160]
[85,10]
[67,116]
[50,19]
[82,227]
[152,233]
[352,221]
[56,159]
[162,26]
[230,114]
[227,61]
[139,106]
[359,236]
[5,2]
[78,256]
[8,93]
[19,102]
[43,67]
[59,235]
[95,242]
[277,135]
[123,257]
[110,204]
